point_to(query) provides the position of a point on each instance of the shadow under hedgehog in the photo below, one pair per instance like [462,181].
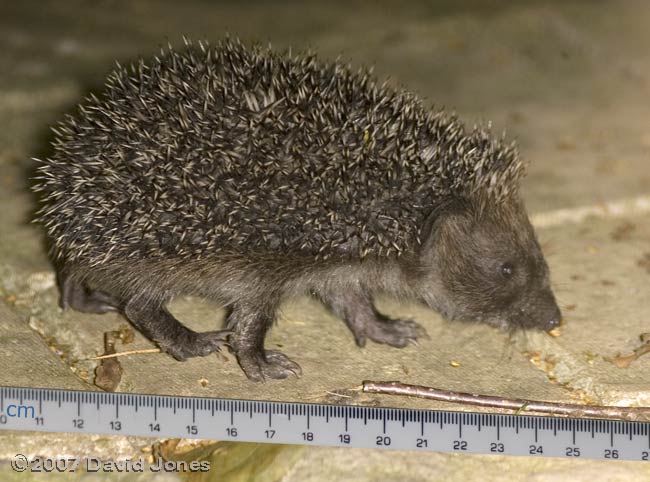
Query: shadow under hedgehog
[246,176]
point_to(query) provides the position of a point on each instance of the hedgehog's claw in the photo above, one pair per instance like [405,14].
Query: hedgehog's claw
[210,341]
[269,364]
[200,344]
[397,333]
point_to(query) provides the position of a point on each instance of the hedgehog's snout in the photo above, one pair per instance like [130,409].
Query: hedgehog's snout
[553,319]
[540,313]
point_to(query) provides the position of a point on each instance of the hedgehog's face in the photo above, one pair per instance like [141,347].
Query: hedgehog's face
[487,268]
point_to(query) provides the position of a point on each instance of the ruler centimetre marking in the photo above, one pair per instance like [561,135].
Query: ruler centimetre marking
[164,416]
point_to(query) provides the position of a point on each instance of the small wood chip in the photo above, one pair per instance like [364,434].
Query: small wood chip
[624,361]
[109,372]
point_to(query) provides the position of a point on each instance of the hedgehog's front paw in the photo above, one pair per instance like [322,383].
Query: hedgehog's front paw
[397,333]
[260,366]
[198,344]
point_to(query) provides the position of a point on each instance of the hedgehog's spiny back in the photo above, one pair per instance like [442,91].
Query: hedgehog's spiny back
[234,149]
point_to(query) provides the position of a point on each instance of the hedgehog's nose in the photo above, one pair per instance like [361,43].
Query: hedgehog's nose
[548,314]
[553,323]
[554,320]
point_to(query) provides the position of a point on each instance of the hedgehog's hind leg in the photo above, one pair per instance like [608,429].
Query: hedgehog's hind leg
[160,326]
[249,325]
[357,310]
[78,296]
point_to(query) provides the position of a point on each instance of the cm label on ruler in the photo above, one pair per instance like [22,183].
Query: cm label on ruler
[330,425]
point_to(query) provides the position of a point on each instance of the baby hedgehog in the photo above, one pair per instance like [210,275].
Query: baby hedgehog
[247,176]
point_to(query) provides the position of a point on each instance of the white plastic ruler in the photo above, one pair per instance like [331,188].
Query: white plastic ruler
[50,410]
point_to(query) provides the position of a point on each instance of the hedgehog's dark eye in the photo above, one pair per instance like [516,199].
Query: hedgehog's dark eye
[507,270]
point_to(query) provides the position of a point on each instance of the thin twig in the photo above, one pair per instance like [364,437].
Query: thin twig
[124,353]
[634,414]
[338,394]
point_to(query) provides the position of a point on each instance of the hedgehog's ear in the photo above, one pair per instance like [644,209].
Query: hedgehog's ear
[448,219]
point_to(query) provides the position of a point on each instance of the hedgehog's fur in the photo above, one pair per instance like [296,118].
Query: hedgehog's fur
[230,156]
